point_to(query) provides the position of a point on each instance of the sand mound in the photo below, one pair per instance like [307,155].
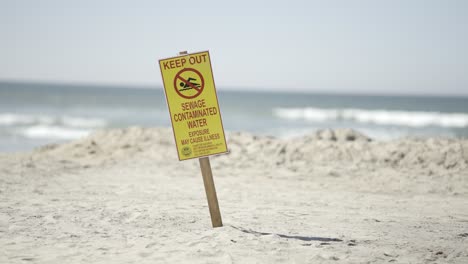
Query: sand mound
[345,146]
[377,166]
[351,147]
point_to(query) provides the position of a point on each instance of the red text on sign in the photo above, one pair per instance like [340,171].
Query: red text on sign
[180,62]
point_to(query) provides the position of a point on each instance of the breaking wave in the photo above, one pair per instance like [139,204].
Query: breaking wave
[10,119]
[56,132]
[379,117]
[52,127]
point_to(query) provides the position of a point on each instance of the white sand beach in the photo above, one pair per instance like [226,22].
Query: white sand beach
[122,196]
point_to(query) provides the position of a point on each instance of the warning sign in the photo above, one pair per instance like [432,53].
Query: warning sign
[193,105]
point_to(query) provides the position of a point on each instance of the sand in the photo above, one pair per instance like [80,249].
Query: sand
[121,196]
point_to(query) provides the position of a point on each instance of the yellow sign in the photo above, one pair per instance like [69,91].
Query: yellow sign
[193,105]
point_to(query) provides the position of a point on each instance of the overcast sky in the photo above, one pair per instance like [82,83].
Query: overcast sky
[417,47]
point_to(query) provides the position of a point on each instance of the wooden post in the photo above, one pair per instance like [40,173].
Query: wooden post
[210,189]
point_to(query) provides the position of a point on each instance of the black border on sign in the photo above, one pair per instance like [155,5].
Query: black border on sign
[217,104]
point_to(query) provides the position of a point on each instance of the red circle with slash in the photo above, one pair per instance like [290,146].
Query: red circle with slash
[185,84]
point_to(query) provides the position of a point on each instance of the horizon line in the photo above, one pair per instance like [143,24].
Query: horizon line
[148,86]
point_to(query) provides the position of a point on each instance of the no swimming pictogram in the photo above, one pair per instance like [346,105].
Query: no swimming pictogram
[189,83]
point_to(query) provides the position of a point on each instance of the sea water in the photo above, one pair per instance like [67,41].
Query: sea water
[32,115]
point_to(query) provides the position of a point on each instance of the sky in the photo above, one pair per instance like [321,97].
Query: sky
[377,47]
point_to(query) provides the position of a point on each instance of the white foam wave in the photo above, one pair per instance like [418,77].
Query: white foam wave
[10,119]
[379,117]
[56,132]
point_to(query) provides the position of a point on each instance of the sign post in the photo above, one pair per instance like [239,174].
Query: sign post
[210,190]
[195,116]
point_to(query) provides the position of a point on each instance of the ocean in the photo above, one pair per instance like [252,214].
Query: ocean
[33,115]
